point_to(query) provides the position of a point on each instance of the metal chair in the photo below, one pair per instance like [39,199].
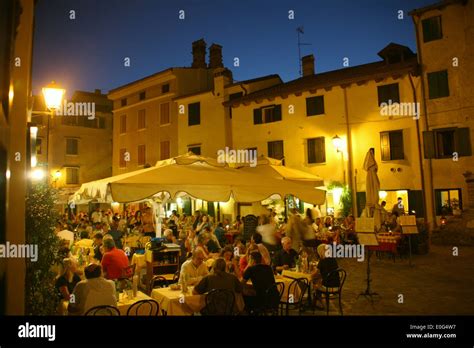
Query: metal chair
[271,304]
[295,302]
[176,277]
[332,292]
[219,302]
[144,308]
[128,272]
[103,311]
[158,282]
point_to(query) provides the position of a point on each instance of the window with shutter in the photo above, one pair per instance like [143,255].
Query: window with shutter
[316,150]
[432,29]
[123,124]
[463,141]
[141,155]
[72,175]
[195,149]
[257,116]
[267,114]
[429,144]
[122,162]
[388,93]
[315,105]
[445,146]
[391,145]
[275,149]
[385,146]
[71,146]
[164,113]
[164,150]
[141,119]
[438,86]
[194,114]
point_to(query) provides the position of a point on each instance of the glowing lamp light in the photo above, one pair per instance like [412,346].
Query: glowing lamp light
[382,194]
[336,195]
[53,96]
[115,204]
[57,175]
[37,174]
[8,174]
[337,142]
[443,221]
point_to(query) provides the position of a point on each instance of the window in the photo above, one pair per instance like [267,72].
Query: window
[447,143]
[432,29]
[123,102]
[122,160]
[275,149]
[315,105]
[141,155]
[165,88]
[446,200]
[388,93]
[391,145]
[194,114]
[72,175]
[195,149]
[141,119]
[142,95]
[316,150]
[39,143]
[71,146]
[123,124]
[267,114]
[164,150]
[438,84]
[165,113]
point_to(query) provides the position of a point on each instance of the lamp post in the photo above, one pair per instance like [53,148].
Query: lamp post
[53,96]
[337,142]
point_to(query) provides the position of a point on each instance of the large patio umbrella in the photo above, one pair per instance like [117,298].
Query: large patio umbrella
[270,167]
[372,187]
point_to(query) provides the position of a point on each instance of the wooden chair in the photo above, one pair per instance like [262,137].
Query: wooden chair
[299,287]
[273,295]
[158,282]
[219,302]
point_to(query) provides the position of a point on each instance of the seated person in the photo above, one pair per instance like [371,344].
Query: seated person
[114,260]
[245,260]
[92,292]
[98,248]
[257,239]
[286,257]
[65,234]
[232,264]
[169,237]
[262,279]
[68,279]
[194,269]
[219,232]
[85,241]
[325,266]
[211,243]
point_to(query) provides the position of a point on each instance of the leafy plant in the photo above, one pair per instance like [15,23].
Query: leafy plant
[346,197]
[40,298]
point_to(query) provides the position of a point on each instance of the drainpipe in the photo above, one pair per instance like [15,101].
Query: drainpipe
[426,124]
[349,154]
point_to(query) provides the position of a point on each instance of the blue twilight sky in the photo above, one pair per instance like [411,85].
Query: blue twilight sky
[88,52]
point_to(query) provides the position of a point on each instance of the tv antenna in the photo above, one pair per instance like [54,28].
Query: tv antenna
[300,30]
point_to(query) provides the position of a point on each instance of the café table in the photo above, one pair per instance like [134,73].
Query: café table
[388,243]
[175,303]
[124,303]
[297,275]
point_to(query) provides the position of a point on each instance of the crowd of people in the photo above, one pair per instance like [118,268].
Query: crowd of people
[276,245]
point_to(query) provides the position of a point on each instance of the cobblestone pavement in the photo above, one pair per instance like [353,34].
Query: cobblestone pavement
[437,284]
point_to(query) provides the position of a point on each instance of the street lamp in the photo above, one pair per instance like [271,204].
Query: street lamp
[53,96]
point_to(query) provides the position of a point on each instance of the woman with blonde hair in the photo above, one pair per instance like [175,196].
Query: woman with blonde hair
[66,282]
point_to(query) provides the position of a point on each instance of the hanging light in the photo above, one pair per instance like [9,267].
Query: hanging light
[337,142]
[53,96]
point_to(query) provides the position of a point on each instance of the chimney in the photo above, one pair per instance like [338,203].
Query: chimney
[222,77]
[215,56]
[199,54]
[307,63]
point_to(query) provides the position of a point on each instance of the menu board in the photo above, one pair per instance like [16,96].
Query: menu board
[250,226]
[407,220]
[410,230]
[364,224]
[368,239]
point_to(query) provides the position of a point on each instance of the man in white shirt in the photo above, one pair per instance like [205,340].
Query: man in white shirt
[92,292]
[195,269]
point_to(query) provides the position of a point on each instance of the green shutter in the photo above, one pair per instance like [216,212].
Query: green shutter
[320,150]
[396,145]
[277,113]
[416,203]
[385,146]
[257,116]
[311,150]
[438,202]
[210,209]
[429,144]
[463,142]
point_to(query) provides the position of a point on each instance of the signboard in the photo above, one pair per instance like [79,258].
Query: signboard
[407,220]
[364,224]
[250,226]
